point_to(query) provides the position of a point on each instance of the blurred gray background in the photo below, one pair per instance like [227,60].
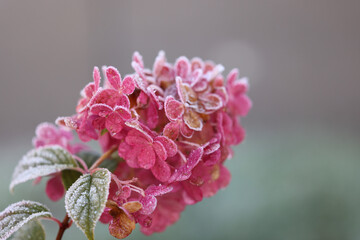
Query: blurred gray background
[296,175]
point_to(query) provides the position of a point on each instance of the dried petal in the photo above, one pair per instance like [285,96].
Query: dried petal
[121,226]
[192,120]
[132,206]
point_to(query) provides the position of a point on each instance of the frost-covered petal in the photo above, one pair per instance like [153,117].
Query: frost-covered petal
[128,85]
[149,204]
[232,76]
[185,130]
[196,63]
[182,67]
[114,78]
[138,59]
[186,93]
[160,150]
[152,115]
[184,171]
[161,170]
[146,157]
[171,130]
[192,120]
[124,113]
[173,108]
[211,101]
[96,77]
[101,109]
[114,123]
[170,146]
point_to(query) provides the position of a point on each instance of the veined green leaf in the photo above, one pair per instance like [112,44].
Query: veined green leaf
[41,162]
[18,214]
[32,230]
[86,198]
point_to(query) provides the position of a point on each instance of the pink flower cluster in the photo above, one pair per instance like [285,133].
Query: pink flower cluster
[173,126]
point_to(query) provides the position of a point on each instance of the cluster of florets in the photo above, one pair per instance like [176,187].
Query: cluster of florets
[172,126]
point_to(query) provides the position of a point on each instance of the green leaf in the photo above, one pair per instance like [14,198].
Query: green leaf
[41,162]
[90,158]
[17,214]
[86,198]
[32,230]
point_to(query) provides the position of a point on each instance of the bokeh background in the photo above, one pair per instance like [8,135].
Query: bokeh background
[296,176]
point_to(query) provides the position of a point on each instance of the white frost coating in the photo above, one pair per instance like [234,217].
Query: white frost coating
[86,199]
[41,162]
[17,214]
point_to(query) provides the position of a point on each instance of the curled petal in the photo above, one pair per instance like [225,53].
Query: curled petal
[149,204]
[138,59]
[197,63]
[186,93]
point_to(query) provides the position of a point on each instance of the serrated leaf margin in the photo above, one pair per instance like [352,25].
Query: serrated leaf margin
[5,234]
[18,172]
[69,201]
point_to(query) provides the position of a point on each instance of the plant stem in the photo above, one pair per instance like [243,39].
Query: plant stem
[103,157]
[64,225]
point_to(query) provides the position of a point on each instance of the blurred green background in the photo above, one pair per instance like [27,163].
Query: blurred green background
[295,177]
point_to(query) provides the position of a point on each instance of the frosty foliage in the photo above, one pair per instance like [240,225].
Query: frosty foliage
[32,230]
[18,214]
[86,198]
[41,162]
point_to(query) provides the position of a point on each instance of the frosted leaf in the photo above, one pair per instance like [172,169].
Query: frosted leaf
[86,198]
[30,231]
[17,214]
[40,162]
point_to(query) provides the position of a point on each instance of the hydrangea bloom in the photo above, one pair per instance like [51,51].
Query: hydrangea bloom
[173,127]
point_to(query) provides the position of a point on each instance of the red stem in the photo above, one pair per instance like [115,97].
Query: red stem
[64,225]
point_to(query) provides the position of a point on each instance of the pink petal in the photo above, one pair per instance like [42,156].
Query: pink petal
[211,101]
[146,157]
[232,76]
[96,77]
[114,78]
[193,194]
[142,99]
[135,137]
[170,146]
[196,63]
[158,190]
[173,108]
[149,204]
[114,123]
[159,63]
[88,90]
[101,109]
[55,188]
[186,131]
[128,85]
[138,59]
[160,150]
[152,115]
[182,67]
[171,130]
[184,172]
[124,113]
[131,155]
[161,171]
[201,85]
